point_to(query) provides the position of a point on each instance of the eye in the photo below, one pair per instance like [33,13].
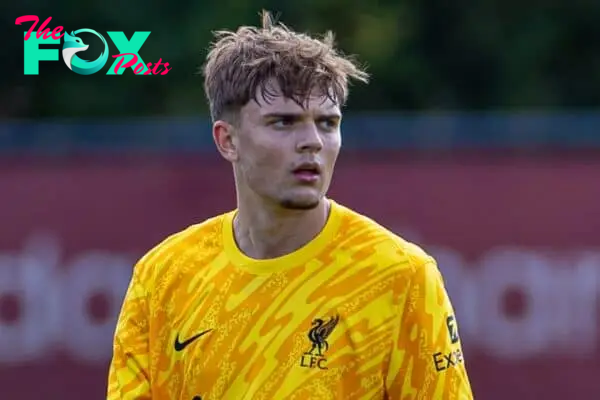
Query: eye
[328,124]
[283,122]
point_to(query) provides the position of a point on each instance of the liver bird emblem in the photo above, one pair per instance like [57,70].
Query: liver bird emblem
[319,333]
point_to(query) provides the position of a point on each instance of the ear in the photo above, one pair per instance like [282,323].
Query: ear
[224,137]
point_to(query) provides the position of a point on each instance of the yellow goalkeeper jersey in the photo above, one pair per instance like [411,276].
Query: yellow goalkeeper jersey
[358,313]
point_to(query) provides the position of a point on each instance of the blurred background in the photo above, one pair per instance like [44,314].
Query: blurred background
[478,138]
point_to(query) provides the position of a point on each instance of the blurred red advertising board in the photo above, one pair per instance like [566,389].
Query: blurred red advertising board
[517,239]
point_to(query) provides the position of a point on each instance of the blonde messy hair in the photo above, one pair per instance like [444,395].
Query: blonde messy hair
[240,64]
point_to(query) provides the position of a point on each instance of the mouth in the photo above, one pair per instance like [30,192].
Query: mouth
[307,172]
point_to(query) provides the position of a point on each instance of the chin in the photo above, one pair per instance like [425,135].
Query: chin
[301,201]
[300,204]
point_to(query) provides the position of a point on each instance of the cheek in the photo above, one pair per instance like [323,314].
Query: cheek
[262,164]
[333,149]
[268,160]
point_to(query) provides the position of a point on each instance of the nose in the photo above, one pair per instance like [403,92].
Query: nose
[309,139]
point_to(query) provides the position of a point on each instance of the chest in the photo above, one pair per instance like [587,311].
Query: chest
[248,341]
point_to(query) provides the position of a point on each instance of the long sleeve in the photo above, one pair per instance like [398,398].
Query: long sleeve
[129,374]
[426,359]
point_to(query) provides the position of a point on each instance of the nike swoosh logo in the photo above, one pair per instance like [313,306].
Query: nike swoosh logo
[179,346]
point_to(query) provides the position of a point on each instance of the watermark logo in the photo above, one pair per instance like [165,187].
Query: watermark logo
[73,45]
[128,49]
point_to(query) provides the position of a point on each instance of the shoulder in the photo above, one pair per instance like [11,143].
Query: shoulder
[410,269]
[388,248]
[202,237]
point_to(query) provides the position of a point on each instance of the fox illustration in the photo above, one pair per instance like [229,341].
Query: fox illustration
[73,45]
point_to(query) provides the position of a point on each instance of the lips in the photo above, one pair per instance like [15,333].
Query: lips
[313,168]
[307,171]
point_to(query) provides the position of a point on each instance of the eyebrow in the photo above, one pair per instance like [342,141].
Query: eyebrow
[292,115]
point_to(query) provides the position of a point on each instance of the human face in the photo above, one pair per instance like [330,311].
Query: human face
[287,153]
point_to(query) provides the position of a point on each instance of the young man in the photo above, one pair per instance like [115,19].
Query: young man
[292,295]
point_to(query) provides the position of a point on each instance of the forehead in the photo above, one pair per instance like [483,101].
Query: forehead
[315,105]
[275,103]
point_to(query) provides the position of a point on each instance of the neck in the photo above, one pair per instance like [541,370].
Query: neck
[265,232]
